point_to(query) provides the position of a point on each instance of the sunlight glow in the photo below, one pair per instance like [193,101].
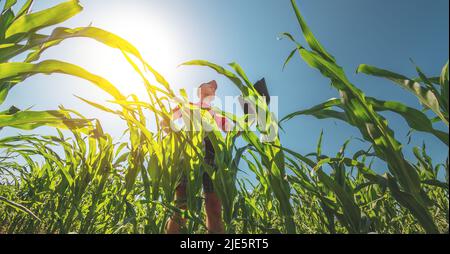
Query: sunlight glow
[151,37]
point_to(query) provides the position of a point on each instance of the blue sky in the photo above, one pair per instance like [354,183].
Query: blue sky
[383,33]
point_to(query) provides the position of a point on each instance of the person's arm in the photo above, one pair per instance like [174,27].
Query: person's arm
[225,125]
[176,113]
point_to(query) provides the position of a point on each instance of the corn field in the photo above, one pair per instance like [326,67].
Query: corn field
[83,181]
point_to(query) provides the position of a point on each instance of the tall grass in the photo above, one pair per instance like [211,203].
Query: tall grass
[81,180]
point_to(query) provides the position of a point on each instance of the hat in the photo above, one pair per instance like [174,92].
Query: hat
[211,83]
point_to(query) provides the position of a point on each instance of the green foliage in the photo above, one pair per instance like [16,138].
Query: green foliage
[361,112]
[82,180]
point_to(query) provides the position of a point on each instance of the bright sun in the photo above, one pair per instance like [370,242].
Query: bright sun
[149,34]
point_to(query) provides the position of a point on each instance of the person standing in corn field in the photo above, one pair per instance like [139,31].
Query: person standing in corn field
[206,93]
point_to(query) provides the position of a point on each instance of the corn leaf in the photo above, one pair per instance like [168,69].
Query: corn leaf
[309,36]
[424,94]
[21,71]
[28,120]
[35,21]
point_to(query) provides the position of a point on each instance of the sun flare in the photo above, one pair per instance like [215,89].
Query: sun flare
[149,35]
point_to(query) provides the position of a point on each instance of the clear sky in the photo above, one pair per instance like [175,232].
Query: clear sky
[384,33]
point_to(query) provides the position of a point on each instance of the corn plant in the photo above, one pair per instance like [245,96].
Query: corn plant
[362,112]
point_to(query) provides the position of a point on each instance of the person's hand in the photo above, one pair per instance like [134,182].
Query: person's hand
[165,126]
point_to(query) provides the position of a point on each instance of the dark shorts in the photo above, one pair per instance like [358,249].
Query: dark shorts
[209,159]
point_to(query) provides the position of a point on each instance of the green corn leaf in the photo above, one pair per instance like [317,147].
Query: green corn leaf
[309,36]
[99,106]
[238,69]
[318,111]
[8,5]
[425,95]
[361,114]
[35,21]
[429,84]
[61,33]
[28,120]
[436,183]
[443,81]
[407,200]
[12,110]
[351,210]
[415,118]
[18,207]
[8,50]
[372,126]
[319,145]
[288,59]
[218,69]
[9,71]
[6,19]
[26,7]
